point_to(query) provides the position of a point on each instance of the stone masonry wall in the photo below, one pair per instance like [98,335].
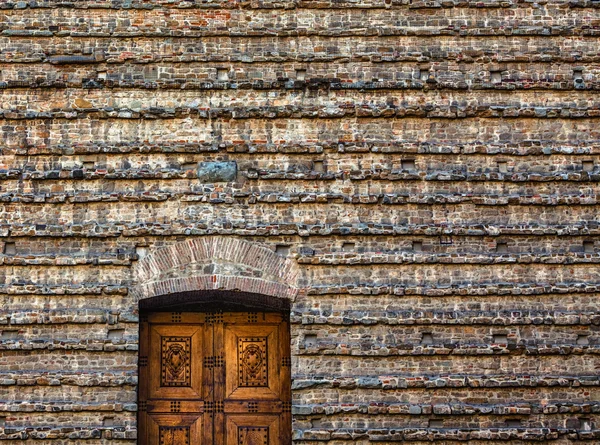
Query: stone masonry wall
[432,166]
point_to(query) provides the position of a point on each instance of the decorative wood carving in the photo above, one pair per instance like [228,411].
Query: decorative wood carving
[175,361]
[215,379]
[251,435]
[253,361]
[174,435]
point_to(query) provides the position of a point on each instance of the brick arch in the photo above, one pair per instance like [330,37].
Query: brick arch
[227,265]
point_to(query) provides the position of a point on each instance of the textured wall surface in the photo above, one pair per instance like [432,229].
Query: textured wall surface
[431,166]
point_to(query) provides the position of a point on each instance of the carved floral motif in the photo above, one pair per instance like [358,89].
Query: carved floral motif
[251,435]
[253,360]
[175,361]
[169,435]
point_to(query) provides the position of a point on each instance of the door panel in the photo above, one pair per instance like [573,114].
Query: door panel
[253,400]
[252,356]
[176,358]
[170,429]
[252,430]
[214,378]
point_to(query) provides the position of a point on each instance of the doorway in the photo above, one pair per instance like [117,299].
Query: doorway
[214,378]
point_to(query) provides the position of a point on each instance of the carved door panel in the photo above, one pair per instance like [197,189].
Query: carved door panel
[174,429]
[214,378]
[255,382]
[174,384]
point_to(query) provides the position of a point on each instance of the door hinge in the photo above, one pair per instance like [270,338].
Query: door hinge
[143,360]
[286,361]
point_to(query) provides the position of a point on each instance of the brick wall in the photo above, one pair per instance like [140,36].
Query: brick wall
[430,167]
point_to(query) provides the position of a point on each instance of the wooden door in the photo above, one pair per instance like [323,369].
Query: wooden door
[219,378]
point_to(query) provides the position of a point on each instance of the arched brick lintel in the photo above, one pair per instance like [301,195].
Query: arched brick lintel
[215,264]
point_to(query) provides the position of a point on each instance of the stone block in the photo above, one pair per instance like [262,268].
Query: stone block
[219,171]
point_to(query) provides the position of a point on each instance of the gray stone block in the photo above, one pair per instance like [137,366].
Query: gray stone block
[225,171]
[74,59]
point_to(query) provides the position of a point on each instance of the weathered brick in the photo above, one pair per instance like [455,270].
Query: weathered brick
[428,171]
